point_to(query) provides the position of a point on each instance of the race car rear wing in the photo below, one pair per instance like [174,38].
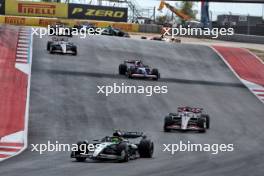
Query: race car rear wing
[190,109]
[131,135]
[59,39]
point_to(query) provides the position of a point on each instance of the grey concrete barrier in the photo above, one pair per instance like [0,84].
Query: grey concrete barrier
[150,28]
[243,38]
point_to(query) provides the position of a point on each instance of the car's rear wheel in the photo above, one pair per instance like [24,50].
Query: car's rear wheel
[156,73]
[207,120]
[48,45]
[122,69]
[146,148]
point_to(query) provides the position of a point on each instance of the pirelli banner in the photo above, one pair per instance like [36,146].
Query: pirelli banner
[2,7]
[38,9]
[101,13]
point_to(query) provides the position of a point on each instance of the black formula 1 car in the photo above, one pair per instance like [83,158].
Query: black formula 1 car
[136,69]
[118,147]
[62,46]
[187,119]
[114,32]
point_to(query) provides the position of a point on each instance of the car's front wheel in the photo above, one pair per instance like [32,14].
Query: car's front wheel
[51,50]
[122,151]
[48,45]
[202,125]
[74,51]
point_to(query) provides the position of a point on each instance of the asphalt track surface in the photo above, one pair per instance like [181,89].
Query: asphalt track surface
[64,106]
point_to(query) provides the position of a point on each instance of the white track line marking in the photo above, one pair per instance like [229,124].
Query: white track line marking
[22,52]
[22,56]
[22,45]
[23,41]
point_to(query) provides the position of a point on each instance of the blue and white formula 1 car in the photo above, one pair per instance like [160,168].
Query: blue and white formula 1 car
[136,69]
[187,119]
[118,147]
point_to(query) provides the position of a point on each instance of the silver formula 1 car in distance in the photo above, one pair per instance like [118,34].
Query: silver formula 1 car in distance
[121,147]
[187,119]
[136,69]
[62,46]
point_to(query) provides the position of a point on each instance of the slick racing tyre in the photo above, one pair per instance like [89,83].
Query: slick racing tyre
[167,122]
[122,69]
[74,49]
[79,144]
[48,45]
[156,73]
[201,124]
[146,148]
[124,156]
[122,151]
[207,120]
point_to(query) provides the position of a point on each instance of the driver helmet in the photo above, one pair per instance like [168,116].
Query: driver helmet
[117,133]
[138,63]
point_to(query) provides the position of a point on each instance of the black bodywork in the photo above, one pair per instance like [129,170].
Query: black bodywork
[136,69]
[114,32]
[120,148]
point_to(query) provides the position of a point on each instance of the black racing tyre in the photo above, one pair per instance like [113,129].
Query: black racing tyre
[122,69]
[165,129]
[48,45]
[156,72]
[207,120]
[51,50]
[146,148]
[201,125]
[80,159]
[122,150]
[167,122]
[74,51]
